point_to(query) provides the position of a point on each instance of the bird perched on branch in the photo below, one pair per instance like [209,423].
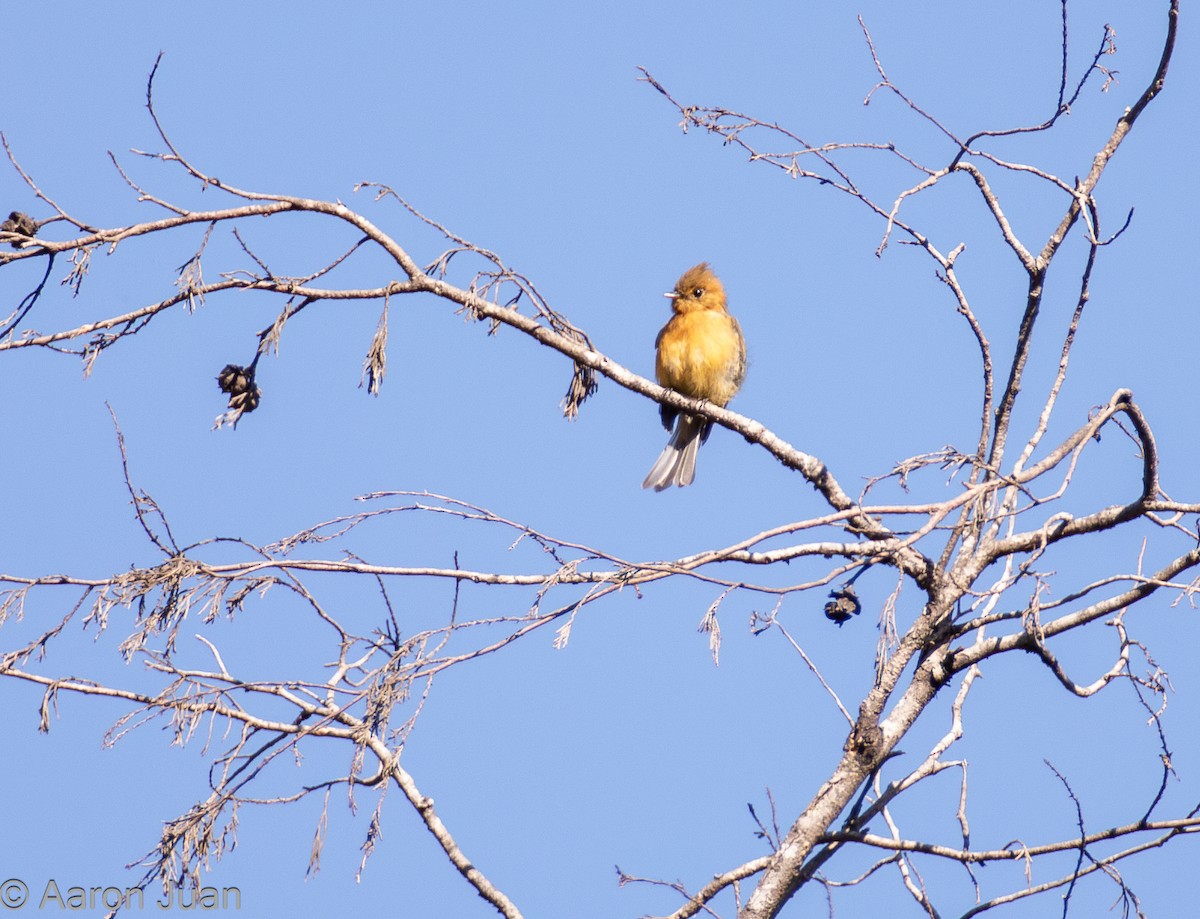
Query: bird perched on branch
[701,354]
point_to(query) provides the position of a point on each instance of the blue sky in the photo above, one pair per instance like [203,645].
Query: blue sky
[526,130]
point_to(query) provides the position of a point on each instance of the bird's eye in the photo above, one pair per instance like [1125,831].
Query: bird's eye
[698,292]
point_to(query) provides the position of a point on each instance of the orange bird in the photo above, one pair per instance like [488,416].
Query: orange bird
[702,354]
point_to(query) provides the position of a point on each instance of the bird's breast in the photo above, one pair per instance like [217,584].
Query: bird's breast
[700,355]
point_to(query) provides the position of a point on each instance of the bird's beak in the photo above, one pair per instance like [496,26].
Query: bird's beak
[672,296]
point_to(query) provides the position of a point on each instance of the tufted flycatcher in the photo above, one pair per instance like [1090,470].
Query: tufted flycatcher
[701,354]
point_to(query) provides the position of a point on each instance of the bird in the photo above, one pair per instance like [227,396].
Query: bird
[701,353]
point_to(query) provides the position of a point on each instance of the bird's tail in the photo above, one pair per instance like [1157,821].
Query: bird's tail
[676,465]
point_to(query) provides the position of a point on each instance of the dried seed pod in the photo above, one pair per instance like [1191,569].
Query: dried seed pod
[843,606]
[238,381]
[19,223]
